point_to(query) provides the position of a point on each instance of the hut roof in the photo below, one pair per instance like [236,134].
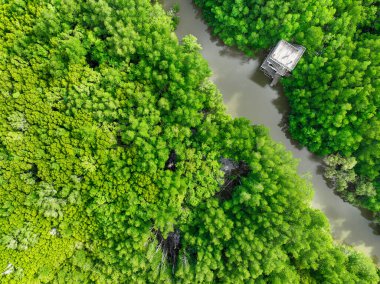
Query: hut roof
[287,55]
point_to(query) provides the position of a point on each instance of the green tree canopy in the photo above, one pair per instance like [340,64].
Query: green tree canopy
[111,137]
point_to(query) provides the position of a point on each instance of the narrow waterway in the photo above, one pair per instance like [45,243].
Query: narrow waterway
[246,93]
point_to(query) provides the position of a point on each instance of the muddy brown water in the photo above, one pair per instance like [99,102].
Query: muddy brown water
[246,93]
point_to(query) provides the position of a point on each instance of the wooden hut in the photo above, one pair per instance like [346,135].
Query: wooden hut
[282,59]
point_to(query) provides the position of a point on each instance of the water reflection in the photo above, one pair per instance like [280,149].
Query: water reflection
[259,78]
[246,92]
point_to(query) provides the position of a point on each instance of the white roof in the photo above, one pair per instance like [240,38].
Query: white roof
[286,54]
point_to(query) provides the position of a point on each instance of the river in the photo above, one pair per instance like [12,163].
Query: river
[246,93]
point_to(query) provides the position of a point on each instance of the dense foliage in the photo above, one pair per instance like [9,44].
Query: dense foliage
[334,93]
[111,142]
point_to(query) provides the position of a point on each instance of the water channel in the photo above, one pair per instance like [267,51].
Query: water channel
[246,93]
